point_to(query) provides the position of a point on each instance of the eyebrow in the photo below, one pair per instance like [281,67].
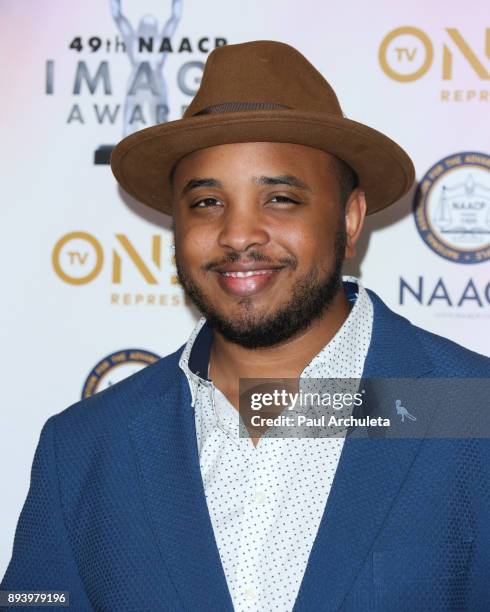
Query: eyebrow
[201,182]
[285,179]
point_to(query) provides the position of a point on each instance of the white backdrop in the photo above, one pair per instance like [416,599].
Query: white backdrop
[87,272]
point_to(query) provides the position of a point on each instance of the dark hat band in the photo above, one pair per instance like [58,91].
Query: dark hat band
[236,107]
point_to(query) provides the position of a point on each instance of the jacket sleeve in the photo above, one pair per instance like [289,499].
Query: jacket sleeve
[42,559]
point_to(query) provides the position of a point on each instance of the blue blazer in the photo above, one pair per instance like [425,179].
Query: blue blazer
[116,512]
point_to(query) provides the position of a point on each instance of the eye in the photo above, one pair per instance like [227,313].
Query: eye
[282,199]
[205,203]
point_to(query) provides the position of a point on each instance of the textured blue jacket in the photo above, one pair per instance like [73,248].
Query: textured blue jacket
[116,512]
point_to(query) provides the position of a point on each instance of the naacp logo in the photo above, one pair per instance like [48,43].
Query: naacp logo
[452,208]
[116,367]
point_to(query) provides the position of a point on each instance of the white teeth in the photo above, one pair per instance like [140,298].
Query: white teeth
[245,274]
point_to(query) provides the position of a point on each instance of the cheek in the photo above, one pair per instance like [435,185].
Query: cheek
[194,245]
[309,243]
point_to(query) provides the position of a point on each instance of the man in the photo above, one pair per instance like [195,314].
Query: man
[147,497]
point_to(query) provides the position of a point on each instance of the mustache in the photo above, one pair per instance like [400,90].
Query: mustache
[251,256]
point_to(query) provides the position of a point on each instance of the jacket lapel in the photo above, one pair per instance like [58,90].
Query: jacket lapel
[368,478]
[164,440]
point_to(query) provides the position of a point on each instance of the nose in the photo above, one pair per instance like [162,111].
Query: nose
[242,228]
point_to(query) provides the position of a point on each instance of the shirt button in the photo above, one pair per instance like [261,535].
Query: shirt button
[250,594]
[260,497]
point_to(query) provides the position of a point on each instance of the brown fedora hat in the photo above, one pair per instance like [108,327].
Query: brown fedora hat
[261,91]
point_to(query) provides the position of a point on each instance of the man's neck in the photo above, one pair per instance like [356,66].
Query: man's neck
[229,362]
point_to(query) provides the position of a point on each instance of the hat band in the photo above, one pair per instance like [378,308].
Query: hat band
[235,107]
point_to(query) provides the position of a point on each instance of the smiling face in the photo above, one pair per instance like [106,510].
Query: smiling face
[260,237]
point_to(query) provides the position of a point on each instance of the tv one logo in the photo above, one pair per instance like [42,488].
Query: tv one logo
[78,258]
[407,54]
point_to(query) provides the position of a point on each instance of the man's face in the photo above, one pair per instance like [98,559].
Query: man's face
[260,237]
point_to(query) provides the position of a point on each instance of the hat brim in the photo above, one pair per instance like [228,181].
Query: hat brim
[143,161]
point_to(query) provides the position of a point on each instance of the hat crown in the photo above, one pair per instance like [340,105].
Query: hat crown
[261,75]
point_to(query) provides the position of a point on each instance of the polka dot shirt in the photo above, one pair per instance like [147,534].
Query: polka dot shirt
[266,502]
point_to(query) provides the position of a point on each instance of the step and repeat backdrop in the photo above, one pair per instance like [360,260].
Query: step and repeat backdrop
[89,293]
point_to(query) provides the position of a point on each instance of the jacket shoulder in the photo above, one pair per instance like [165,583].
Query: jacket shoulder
[396,334]
[452,358]
[121,400]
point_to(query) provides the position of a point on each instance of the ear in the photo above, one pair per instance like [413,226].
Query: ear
[355,213]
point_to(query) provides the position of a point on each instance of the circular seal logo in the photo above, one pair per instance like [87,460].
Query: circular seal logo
[452,208]
[116,367]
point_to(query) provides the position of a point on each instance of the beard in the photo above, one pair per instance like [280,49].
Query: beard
[310,298]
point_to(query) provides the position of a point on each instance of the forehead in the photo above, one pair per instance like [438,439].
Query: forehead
[250,159]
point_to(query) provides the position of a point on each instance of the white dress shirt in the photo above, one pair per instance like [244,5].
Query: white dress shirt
[266,502]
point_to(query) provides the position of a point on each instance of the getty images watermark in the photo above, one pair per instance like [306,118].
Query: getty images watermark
[334,407]
[311,409]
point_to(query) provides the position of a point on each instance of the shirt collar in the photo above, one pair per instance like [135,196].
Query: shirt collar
[344,355]
[196,354]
